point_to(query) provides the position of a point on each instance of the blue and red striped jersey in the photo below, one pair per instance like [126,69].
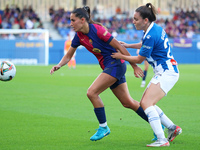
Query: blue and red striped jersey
[97,42]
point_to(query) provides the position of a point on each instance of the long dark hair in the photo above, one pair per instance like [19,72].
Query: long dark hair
[85,13]
[147,11]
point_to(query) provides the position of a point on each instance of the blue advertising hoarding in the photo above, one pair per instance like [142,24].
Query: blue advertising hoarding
[32,52]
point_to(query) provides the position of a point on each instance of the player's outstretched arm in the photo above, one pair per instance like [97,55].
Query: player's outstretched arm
[132,59]
[138,72]
[134,45]
[66,58]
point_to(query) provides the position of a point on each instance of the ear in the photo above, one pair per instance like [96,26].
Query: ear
[82,19]
[146,20]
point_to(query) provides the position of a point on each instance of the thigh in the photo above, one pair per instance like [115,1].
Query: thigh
[152,95]
[122,93]
[101,83]
[167,80]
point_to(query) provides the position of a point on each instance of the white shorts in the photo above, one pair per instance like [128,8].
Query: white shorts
[167,80]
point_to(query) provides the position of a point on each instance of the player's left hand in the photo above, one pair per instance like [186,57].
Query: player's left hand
[138,72]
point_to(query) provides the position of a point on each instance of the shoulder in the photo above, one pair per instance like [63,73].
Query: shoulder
[159,32]
[155,32]
[157,26]
[101,31]
[98,27]
[157,29]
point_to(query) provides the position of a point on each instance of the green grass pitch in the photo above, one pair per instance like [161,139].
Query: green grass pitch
[39,111]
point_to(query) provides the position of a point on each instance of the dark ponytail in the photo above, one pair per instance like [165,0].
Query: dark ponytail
[81,13]
[85,13]
[147,11]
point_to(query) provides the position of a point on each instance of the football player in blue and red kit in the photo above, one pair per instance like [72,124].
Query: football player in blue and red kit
[96,39]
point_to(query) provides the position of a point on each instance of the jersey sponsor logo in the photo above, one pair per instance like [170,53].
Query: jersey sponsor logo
[147,47]
[105,33]
[96,50]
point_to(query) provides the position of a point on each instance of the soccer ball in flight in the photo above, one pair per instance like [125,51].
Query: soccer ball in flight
[7,71]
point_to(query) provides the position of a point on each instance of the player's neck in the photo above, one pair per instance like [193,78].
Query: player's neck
[147,26]
[85,29]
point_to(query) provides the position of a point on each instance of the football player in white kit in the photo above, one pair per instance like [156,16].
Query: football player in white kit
[155,48]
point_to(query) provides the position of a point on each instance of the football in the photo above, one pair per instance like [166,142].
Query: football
[7,71]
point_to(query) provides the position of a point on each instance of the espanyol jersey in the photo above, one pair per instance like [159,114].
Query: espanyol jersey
[97,42]
[156,49]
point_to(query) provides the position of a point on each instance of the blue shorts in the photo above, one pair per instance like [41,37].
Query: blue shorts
[116,69]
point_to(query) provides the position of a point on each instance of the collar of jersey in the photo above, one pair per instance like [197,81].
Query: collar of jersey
[148,29]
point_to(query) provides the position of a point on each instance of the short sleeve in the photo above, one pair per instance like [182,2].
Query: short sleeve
[75,41]
[103,34]
[147,47]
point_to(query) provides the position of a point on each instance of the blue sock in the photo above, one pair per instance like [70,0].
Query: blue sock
[141,113]
[100,114]
[145,74]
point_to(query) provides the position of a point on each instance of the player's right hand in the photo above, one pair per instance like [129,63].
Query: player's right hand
[54,68]
[123,44]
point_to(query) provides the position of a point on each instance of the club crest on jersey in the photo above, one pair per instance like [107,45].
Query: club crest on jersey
[90,41]
[96,50]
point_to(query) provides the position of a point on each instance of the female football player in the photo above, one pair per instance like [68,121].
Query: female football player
[96,39]
[155,49]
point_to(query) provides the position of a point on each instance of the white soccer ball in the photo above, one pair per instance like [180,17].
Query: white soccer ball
[7,71]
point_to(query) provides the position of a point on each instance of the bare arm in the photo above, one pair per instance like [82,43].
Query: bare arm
[66,58]
[132,59]
[137,70]
[135,45]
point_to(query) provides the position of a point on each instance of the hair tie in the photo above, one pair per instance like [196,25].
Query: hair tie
[86,9]
[148,5]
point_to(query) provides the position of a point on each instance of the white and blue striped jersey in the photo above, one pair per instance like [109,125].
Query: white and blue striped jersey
[156,49]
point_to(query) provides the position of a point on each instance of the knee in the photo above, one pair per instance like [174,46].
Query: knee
[145,105]
[90,94]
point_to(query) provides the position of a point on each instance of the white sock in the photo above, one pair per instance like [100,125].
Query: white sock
[163,118]
[103,124]
[154,121]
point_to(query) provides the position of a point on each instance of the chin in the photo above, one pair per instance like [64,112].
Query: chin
[138,28]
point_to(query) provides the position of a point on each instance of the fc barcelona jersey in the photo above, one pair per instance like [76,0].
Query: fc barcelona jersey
[97,42]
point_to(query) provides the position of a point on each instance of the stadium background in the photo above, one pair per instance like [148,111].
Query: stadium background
[40,111]
[53,15]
